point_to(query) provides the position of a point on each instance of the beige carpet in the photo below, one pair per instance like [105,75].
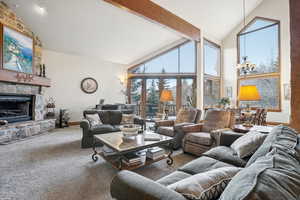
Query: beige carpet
[53,166]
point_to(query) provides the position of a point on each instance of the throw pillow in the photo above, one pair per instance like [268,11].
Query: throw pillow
[127,118]
[205,186]
[186,115]
[247,144]
[94,119]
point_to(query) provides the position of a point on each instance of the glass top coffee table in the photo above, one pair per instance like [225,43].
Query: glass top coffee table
[122,146]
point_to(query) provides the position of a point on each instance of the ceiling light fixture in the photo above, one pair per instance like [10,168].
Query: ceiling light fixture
[246,66]
[41,10]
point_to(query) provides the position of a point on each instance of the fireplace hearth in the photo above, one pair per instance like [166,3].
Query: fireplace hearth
[16,108]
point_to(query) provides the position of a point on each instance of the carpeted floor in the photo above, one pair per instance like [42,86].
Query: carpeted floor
[53,166]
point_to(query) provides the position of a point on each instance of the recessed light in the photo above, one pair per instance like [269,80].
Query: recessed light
[40,10]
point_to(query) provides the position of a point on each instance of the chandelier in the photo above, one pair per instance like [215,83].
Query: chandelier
[246,66]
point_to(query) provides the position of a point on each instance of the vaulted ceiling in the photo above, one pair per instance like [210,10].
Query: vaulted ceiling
[97,29]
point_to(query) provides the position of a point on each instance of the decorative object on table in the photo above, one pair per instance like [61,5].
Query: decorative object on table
[3,122]
[89,85]
[130,130]
[50,106]
[246,66]
[229,92]
[224,102]
[165,97]
[17,51]
[151,136]
[64,118]
[287,91]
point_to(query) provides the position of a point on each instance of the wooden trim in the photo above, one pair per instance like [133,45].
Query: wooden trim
[258,29]
[1,46]
[143,98]
[158,15]
[295,61]
[157,55]
[277,123]
[178,94]
[75,123]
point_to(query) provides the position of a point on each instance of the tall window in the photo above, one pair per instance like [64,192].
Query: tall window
[174,70]
[212,73]
[260,42]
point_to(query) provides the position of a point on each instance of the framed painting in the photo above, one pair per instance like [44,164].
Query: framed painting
[17,51]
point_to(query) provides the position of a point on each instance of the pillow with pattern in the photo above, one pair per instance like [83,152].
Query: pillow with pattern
[94,119]
[205,186]
[127,118]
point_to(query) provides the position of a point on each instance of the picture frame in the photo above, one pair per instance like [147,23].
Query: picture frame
[89,85]
[17,51]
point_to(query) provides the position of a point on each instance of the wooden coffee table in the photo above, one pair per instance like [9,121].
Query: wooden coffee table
[122,146]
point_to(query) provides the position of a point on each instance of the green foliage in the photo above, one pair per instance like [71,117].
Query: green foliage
[224,101]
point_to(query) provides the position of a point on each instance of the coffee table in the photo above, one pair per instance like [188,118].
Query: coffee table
[122,146]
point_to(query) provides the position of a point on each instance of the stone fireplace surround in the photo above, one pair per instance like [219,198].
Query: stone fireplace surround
[20,130]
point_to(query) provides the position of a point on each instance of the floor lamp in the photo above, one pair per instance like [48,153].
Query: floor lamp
[165,97]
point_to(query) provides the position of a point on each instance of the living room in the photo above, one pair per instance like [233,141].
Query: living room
[113,99]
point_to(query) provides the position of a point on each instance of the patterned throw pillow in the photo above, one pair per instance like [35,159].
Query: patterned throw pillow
[94,119]
[247,144]
[205,186]
[127,118]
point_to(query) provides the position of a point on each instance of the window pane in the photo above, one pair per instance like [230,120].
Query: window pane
[188,92]
[170,84]
[138,70]
[211,92]
[136,91]
[262,49]
[268,88]
[165,63]
[258,24]
[152,101]
[212,63]
[188,58]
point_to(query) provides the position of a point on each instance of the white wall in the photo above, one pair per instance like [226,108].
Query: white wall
[274,9]
[67,71]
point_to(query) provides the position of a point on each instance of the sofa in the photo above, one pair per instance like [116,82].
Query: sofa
[173,128]
[271,173]
[111,121]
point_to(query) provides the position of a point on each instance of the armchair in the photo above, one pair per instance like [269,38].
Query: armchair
[199,138]
[173,128]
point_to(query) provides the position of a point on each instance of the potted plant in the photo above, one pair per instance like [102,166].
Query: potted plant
[224,102]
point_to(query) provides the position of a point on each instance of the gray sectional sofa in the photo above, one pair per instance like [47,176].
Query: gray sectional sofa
[271,173]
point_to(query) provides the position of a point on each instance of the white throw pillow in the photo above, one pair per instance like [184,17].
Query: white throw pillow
[247,144]
[94,119]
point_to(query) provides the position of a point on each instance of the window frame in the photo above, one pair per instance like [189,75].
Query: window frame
[212,77]
[263,75]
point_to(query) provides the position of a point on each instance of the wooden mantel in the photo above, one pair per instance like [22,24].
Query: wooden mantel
[12,77]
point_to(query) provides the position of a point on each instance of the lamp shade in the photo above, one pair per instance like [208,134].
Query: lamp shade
[249,93]
[166,95]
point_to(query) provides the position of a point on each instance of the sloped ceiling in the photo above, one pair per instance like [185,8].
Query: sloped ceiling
[97,29]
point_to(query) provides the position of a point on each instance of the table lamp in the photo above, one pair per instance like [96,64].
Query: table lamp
[166,96]
[248,93]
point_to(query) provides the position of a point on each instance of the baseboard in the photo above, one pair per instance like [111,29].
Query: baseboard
[74,123]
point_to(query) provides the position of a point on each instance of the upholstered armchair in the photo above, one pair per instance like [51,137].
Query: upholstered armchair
[199,138]
[173,128]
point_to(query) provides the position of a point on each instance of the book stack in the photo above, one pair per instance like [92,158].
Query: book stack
[155,153]
[132,159]
[108,151]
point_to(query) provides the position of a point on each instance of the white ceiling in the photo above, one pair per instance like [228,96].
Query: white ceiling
[97,29]
[216,18]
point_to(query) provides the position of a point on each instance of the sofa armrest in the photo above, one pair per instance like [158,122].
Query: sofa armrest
[85,124]
[164,123]
[228,137]
[128,185]
[192,128]
[216,135]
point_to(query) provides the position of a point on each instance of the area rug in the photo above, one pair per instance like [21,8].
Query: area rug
[53,166]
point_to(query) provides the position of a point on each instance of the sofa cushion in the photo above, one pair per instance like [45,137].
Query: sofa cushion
[194,148]
[268,142]
[227,155]
[275,175]
[199,138]
[248,143]
[203,164]
[104,116]
[173,177]
[103,128]
[115,117]
[93,119]
[166,130]
[205,186]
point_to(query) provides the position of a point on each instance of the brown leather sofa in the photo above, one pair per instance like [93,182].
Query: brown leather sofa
[173,128]
[199,138]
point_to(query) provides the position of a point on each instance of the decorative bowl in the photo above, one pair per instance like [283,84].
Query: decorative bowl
[130,130]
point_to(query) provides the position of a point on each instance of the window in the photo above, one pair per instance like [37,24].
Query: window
[174,70]
[259,41]
[212,74]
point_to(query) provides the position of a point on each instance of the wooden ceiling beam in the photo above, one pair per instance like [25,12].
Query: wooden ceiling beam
[158,15]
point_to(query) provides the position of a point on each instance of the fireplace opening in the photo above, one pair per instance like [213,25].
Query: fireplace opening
[16,108]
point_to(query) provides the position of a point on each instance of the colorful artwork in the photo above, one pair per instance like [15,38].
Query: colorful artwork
[17,51]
